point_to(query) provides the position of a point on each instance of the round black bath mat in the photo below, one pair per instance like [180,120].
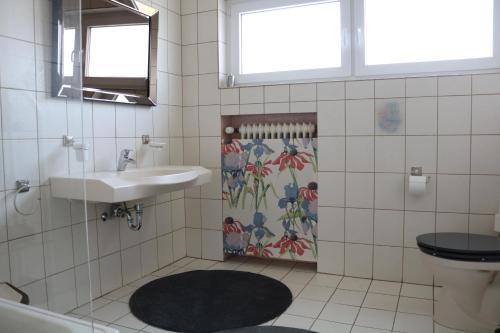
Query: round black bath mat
[210,301]
[267,329]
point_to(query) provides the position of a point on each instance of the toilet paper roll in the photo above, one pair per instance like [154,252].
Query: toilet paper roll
[418,185]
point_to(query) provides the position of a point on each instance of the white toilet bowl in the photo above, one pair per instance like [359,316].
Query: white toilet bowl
[467,267]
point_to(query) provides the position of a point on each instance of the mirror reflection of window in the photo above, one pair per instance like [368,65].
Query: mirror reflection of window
[118,51]
[68,50]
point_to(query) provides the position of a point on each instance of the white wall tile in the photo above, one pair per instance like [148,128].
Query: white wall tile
[17,19]
[454,85]
[332,226]
[251,95]
[485,159]
[61,291]
[389,153]
[387,263]
[17,62]
[414,270]
[486,114]
[18,114]
[389,191]
[453,193]
[303,107]
[421,151]
[360,154]
[111,272]
[23,225]
[165,248]
[58,250]
[179,244]
[331,118]
[207,27]
[388,227]
[210,119]
[390,88]
[333,153]
[331,257]
[359,260]
[303,92]
[104,120]
[360,117]
[51,115]
[486,84]
[359,225]
[4,262]
[454,154]
[452,222]
[270,108]
[193,242]
[421,116]
[26,260]
[360,89]
[276,94]
[211,245]
[230,96]
[360,190]
[209,91]
[334,184]
[329,91]
[417,223]
[454,115]
[425,86]
[149,256]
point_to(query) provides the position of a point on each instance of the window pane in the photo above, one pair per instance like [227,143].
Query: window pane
[406,31]
[68,50]
[291,38]
[119,51]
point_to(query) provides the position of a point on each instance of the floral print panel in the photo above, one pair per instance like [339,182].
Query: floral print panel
[270,194]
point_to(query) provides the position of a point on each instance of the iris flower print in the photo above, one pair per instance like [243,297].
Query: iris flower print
[291,196]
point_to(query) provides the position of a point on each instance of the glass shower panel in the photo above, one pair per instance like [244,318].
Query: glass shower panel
[44,241]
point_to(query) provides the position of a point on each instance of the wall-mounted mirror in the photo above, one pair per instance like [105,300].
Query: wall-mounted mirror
[119,51]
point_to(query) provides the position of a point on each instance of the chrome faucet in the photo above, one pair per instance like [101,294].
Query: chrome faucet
[124,159]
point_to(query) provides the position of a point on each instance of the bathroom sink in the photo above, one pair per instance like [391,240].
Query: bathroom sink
[132,184]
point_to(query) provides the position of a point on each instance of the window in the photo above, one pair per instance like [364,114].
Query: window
[115,48]
[289,40]
[409,36]
[284,40]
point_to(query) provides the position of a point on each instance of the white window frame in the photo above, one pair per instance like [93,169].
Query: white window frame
[360,69]
[238,6]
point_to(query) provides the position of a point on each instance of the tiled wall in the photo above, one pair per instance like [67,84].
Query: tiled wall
[449,125]
[45,254]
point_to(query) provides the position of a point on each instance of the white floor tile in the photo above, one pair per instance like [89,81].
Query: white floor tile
[381,302]
[348,297]
[412,323]
[359,329]
[123,329]
[298,277]
[323,326]
[111,312]
[375,318]
[326,280]
[317,293]
[339,313]
[305,308]
[350,283]
[416,306]
[130,321]
[416,290]
[384,287]
[294,321]
[119,293]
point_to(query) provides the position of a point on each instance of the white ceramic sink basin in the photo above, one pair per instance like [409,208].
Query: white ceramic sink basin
[129,185]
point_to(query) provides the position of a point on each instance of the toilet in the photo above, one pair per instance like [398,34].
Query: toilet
[467,267]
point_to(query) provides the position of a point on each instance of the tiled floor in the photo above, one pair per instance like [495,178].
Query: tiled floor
[323,303]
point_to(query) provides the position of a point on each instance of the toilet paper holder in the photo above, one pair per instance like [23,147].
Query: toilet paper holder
[418,172]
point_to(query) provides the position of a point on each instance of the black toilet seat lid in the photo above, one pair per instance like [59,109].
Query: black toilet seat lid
[461,246]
